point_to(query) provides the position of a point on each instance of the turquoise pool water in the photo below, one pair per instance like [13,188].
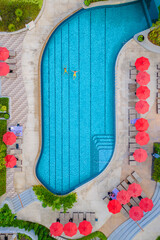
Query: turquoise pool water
[78,116]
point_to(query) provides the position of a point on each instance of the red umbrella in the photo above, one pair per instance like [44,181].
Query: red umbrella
[114,206]
[9,138]
[142,138]
[136,213]
[134,190]
[56,229]
[10,161]
[142,64]
[146,204]
[123,197]
[85,228]
[4,68]
[141,124]
[142,107]
[143,92]
[143,78]
[70,229]
[140,155]
[4,53]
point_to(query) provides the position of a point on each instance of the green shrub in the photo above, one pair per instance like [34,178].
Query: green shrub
[19,12]
[54,201]
[11,27]
[158,238]
[3,147]
[2,163]
[21,236]
[140,38]
[6,116]
[88,2]
[94,235]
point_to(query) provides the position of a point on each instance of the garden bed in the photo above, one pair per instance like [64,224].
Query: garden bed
[88,2]
[156,163]
[4,108]
[16,13]
[154,36]
[3,129]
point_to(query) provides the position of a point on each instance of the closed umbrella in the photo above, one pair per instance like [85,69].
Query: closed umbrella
[4,69]
[143,78]
[114,206]
[140,155]
[9,138]
[85,228]
[56,229]
[146,204]
[10,161]
[134,190]
[123,197]
[142,107]
[4,53]
[136,213]
[141,124]
[143,92]
[142,138]
[70,229]
[142,64]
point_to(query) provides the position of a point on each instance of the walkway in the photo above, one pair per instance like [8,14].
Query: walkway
[129,228]
[18,230]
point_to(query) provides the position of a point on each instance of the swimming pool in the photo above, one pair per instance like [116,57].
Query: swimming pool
[78,116]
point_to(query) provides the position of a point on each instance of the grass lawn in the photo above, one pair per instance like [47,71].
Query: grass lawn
[3,129]
[29,9]
[88,2]
[4,107]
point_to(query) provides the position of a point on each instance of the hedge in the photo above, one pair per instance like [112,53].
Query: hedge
[21,236]
[94,235]
[3,129]
[51,200]
[7,219]
[88,2]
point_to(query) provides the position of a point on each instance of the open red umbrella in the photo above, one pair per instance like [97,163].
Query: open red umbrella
[140,155]
[85,228]
[134,190]
[142,107]
[9,138]
[10,161]
[114,206]
[146,204]
[141,124]
[142,64]
[143,78]
[143,92]
[4,69]
[56,229]
[142,138]
[4,53]
[123,197]
[136,213]
[70,229]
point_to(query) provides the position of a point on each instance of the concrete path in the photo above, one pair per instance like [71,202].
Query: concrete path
[18,230]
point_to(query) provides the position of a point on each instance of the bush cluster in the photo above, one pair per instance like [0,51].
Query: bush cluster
[88,2]
[95,235]
[140,38]
[21,236]
[7,219]
[54,201]
[156,166]
[16,13]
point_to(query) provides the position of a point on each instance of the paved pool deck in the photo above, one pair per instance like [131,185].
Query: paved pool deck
[90,195]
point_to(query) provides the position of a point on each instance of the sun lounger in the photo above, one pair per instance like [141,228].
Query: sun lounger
[15,151]
[75,218]
[158,80]
[143,195]
[137,200]
[132,128]
[11,75]
[158,86]
[11,61]
[130,179]
[133,202]
[92,216]
[12,67]
[126,207]
[133,145]
[106,199]
[136,176]
[120,187]
[132,163]
[66,217]
[132,111]
[131,104]
[133,77]
[132,134]
[19,141]
[158,74]
[88,216]
[132,64]
[133,71]
[62,218]
[124,212]
[158,95]
[19,163]
[132,149]
[124,184]
[12,53]
[131,158]
[158,110]
[158,100]
[132,140]
[81,216]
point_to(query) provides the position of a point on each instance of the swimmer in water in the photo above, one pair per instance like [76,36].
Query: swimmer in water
[74,74]
[65,70]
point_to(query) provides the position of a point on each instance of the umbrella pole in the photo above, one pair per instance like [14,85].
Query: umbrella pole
[140,227]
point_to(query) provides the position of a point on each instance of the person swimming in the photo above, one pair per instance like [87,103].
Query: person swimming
[65,70]
[74,74]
